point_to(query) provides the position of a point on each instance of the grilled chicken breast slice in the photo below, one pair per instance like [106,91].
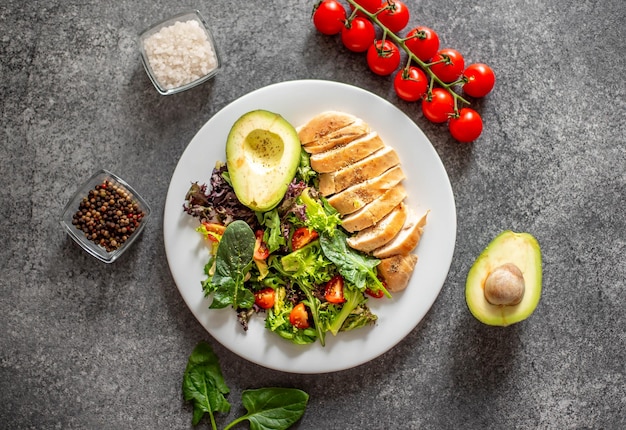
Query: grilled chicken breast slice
[355,197]
[406,240]
[382,232]
[367,168]
[374,211]
[339,137]
[323,124]
[340,157]
[396,271]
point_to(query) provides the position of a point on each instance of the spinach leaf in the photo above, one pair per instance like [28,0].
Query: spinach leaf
[204,385]
[232,262]
[357,268]
[272,408]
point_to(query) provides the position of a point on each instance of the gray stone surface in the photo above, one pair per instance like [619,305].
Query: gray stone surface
[88,345]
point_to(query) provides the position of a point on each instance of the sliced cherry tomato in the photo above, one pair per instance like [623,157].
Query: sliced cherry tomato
[479,80]
[261,252]
[301,237]
[329,17]
[411,84]
[214,231]
[376,294]
[369,5]
[333,290]
[439,106]
[451,65]
[383,57]
[265,298]
[358,35]
[423,42]
[467,126]
[395,16]
[299,317]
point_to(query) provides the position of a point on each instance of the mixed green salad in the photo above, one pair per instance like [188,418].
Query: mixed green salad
[291,263]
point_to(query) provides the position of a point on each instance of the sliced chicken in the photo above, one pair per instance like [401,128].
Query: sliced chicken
[397,270]
[377,235]
[374,211]
[323,124]
[343,156]
[339,137]
[367,168]
[355,197]
[406,240]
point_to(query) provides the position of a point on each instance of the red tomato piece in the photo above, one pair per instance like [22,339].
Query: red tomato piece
[261,252]
[376,294]
[423,42]
[439,107]
[450,65]
[383,57]
[358,35]
[329,17]
[299,317]
[215,231]
[265,298]
[333,290]
[301,237]
[467,126]
[395,16]
[479,80]
[411,84]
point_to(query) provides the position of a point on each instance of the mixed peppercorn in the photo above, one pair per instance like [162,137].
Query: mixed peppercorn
[108,215]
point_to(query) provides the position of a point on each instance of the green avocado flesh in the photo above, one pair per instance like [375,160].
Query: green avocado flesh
[519,249]
[263,154]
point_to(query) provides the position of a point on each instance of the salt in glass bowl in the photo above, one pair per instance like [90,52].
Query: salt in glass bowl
[179,53]
[72,207]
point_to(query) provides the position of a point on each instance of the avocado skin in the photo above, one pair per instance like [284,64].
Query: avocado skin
[262,155]
[521,249]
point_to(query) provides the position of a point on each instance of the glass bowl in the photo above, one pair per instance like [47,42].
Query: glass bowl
[116,218]
[179,53]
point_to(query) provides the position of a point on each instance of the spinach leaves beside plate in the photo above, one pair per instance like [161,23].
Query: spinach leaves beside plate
[273,408]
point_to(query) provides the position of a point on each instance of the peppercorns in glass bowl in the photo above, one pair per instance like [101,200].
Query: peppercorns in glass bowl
[105,216]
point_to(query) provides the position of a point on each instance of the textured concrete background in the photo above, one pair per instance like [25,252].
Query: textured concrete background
[89,345]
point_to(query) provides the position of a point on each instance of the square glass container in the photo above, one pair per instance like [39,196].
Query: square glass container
[79,236]
[179,53]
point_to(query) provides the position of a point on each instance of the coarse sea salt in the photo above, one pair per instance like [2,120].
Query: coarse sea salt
[180,53]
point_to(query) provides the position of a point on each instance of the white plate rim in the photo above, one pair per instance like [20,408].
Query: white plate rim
[428,188]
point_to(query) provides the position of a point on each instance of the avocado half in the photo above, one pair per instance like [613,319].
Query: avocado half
[263,154]
[503,286]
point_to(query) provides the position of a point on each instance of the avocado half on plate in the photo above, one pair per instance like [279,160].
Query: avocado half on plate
[503,286]
[263,154]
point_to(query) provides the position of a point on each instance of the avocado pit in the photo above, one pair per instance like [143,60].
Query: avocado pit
[505,285]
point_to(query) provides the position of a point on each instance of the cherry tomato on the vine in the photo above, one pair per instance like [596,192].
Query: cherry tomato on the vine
[467,126]
[369,5]
[358,35]
[265,298]
[423,42]
[329,16]
[479,80]
[451,65]
[410,85]
[396,15]
[439,107]
[299,317]
[383,57]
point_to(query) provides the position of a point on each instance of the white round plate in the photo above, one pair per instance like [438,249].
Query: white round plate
[428,189]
